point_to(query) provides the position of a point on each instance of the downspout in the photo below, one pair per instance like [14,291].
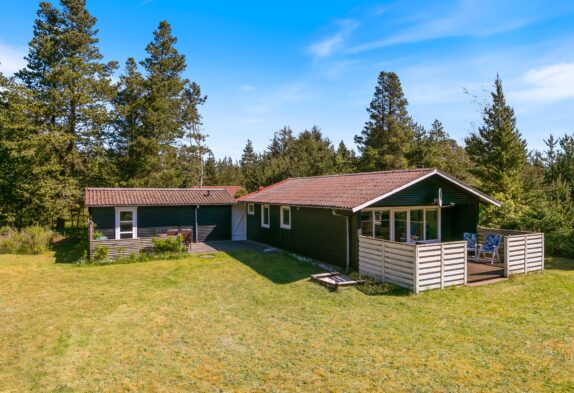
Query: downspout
[348,243]
[196,227]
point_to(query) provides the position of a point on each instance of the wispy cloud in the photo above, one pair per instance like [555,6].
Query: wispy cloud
[463,19]
[247,88]
[551,83]
[11,58]
[329,45]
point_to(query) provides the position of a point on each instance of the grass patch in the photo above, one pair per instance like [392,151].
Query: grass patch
[253,322]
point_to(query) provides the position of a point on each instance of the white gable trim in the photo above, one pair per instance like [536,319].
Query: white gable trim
[434,172]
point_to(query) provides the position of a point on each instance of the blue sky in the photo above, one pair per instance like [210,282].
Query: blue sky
[268,64]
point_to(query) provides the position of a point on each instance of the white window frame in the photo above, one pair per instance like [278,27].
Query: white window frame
[408,210]
[285,226]
[263,225]
[134,231]
[251,209]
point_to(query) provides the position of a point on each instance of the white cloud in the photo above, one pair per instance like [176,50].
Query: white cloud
[550,83]
[329,45]
[247,88]
[11,58]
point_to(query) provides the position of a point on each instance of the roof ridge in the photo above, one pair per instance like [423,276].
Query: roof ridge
[156,188]
[365,173]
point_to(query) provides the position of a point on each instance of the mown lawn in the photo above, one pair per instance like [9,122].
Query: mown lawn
[252,322]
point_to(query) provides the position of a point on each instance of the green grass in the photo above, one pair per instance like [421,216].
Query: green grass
[252,322]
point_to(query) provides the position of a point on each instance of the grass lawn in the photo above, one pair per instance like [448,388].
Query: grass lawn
[252,322]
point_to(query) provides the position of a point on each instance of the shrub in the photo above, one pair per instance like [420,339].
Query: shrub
[30,240]
[97,234]
[168,244]
[101,254]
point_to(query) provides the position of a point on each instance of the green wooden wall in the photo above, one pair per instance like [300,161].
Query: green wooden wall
[214,222]
[425,192]
[315,233]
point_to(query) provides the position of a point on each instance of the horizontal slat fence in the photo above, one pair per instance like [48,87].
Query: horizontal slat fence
[122,247]
[418,267]
[524,253]
[441,265]
[520,251]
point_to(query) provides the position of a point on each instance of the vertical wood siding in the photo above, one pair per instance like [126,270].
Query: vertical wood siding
[315,233]
[214,223]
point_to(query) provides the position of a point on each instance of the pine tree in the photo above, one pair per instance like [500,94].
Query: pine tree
[345,160]
[435,149]
[155,112]
[387,136]
[250,168]
[71,86]
[497,149]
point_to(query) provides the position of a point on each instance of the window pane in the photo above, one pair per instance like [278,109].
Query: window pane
[416,225]
[126,227]
[287,217]
[400,227]
[432,224]
[126,235]
[367,224]
[383,225]
[266,215]
[126,216]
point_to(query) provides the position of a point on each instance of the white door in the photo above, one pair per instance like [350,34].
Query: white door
[239,222]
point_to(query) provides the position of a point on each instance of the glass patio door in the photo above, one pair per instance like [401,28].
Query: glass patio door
[401,225]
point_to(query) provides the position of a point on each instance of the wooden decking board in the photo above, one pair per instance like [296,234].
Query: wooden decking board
[482,271]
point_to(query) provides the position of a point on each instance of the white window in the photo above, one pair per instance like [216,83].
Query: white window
[126,222]
[286,217]
[265,216]
[250,209]
[402,224]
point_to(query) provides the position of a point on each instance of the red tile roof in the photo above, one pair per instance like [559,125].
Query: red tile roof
[347,191]
[157,197]
[232,190]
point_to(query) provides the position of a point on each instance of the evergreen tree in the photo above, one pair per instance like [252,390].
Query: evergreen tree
[250,163]
[312,154]
[156,111]
[345,159]
[71,87]
[497,149]
[435,149]
[387,136]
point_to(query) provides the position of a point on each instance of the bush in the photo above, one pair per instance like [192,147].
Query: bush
[31,240]
[101,254]
[168,244]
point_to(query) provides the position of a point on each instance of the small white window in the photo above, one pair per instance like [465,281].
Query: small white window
[126,222]
[265,216]
[250,209]
[286,217]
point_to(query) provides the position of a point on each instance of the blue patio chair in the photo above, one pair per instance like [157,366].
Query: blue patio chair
[470,239]
[491,247]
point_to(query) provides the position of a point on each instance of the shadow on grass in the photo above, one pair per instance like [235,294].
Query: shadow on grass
[556,263]
[70,249]
[378,289]
[277,267]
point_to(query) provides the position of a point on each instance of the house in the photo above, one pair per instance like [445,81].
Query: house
[128,218]
[400,226]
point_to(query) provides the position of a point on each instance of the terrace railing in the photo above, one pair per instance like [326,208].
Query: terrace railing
[418,267]
[520,251]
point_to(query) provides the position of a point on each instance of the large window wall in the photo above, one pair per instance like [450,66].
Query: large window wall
[402,224]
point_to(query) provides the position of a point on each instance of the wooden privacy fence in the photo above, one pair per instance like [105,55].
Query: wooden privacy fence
[520,251]
[418,267]
[524,253]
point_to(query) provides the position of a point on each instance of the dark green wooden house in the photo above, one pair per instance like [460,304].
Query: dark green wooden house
[126,219]
[322,217]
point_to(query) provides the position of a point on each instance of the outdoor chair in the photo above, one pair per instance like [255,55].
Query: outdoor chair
[471,246]
[490,247]
[187,237]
